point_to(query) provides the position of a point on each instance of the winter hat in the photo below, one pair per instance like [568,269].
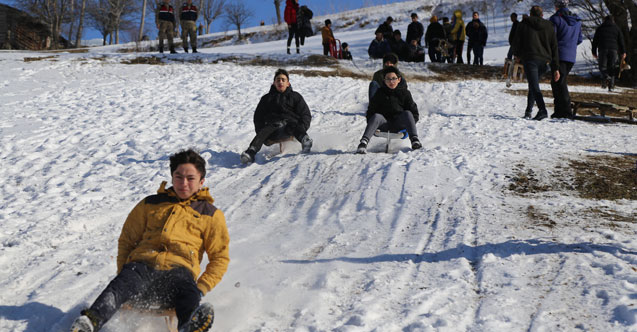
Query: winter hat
[328,22]
[344,46]
[390,19]
[560,3]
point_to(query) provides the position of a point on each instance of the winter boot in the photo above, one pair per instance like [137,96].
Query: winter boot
[541,115]
[87,322]
[362,146]
[200,320]
[298,50]
[415,142]
[185,49]
[172,50]
[605,82]
[248,155]
[161,49]
[289,50]
[611,84]
[194,50]
[527,114]
[306,144]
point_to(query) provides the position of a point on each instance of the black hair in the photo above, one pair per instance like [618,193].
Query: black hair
[390,57]
[514,15]
[445,19]
[389,18]
[188,157]
[397,32]
[414,15]
[328,22]
[536,11]
[390,69]
[344,46]
[609,18]
[281,71]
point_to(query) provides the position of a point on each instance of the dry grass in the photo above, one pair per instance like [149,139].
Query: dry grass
[28,59]
[627,98]
[142,60]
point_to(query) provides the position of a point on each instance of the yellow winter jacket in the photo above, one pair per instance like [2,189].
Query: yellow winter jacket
[327,35]
[165,232]
[458,31]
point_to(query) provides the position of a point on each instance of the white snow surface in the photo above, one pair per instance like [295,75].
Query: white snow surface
[427,240]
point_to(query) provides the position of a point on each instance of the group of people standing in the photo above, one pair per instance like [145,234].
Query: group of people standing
[445,42]
[167,25]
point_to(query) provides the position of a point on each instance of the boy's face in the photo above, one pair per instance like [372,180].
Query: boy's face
[187,180]
[379,35]
[281,83]
[392,80]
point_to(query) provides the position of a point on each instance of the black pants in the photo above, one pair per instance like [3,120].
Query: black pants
[144,285]
[275,131]
[458,44]
[326,49]
[293,32]
[607,62]
[561,97]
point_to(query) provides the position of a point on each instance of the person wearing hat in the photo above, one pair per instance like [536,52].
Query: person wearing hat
[165,22]
[391,109]
[347,55]
[457,35]
[188,14]
[280,113]
[568,30]
[386,29]
[415,30]
[435,33]
[328,37]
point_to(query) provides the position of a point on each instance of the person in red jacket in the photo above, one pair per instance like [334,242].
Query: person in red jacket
[290,15]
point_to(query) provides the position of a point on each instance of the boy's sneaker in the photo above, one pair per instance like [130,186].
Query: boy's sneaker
[362,147]
[248,156]
[82,324]
[200,320]
[415,143]
[306,144]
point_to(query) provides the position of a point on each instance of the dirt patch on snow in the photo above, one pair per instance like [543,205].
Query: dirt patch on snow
[626,98]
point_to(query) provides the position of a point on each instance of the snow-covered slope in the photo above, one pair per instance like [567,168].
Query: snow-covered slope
[428,240]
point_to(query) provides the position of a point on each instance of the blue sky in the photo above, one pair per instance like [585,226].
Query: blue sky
[264,10]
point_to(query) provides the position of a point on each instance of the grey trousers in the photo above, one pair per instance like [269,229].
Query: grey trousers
[403,121]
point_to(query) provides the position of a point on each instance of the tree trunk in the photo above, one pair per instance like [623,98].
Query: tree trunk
[72,25]
[277,5]
[78,38]
[141,24]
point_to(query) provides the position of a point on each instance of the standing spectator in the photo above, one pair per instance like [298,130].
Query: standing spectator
[328,37]
[435,33]
[568,31]
[415,30]
[188,14]
[346,53]
[379,47]
[448,27]
[535,45]
[477,33]
[399,47]
[304,23]
[290,15]
[165,21]
[609,40]
[457,35]
[416,52]
[386,29]
[514,26]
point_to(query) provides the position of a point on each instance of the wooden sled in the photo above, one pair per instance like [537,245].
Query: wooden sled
[390,136]
[512,71]
[595,111]
[170,317]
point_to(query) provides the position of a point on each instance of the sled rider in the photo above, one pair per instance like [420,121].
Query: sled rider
[160,250]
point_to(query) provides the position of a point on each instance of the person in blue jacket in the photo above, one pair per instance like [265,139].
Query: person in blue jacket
[379,47]
[568,30]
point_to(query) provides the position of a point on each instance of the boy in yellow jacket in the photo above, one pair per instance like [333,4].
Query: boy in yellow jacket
[160,250]
[328,37]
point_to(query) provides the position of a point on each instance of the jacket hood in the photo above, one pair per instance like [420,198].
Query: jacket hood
[202,195]
[534,22]
[273,89]
[458,14]
[570,18]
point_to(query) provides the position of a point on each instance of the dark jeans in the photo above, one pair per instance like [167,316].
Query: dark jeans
[293,32]
[403,121]
[478,52]
[533,70]
[326,49]
[458,44]
[434,55]
[561,97]
[469,48]
[144,285]
[275,131]
[607,61]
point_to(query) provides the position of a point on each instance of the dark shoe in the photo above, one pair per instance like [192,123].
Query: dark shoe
[172,51]
[298,51]
[248,156]
[611,84]
[306,144]
[185,49]
[541,116]
[527,115]
[362,147]
[201,319]
[161,50]
[194,50]
[415,143]
[605,82]
[288,50]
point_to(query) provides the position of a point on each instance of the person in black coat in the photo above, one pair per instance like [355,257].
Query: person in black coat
[514,26]
[435,33]
[391,109]
[477,33]
[386,29]
[415,30]
[399,47]
[609,40]
[305,25]
[280,113]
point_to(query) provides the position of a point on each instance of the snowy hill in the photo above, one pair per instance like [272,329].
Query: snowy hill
[440,239]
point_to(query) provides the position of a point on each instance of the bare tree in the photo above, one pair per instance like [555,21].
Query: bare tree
[210,10]
[237,14]
[141,23]
[51,12]
[99,18]
[277,6]
[80,27]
